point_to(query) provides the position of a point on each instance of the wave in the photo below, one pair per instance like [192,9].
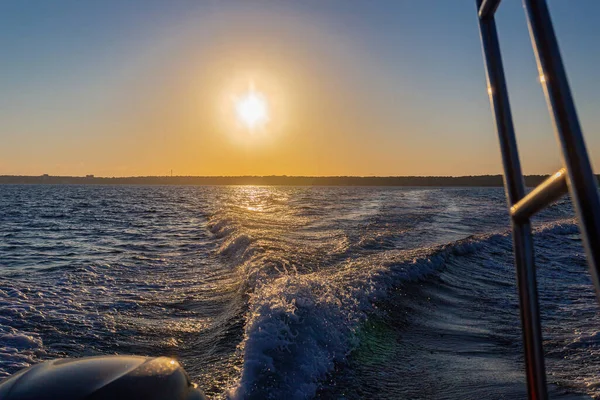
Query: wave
[300,325]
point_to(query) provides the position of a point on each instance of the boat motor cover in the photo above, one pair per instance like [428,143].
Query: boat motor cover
[102,378]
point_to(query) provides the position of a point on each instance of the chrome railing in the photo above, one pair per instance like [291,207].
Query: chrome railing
[576,176]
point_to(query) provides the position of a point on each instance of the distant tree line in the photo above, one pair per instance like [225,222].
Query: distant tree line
[479,180]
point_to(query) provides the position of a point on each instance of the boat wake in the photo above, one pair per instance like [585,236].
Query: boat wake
[304,321]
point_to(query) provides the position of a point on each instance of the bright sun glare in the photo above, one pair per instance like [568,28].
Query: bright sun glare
[252,109]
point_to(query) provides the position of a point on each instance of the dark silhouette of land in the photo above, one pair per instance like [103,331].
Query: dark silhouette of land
[479,180]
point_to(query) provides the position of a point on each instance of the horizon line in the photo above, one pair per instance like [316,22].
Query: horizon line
[91,176]
[277,180]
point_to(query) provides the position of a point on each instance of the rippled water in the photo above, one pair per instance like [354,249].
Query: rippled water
[279,292]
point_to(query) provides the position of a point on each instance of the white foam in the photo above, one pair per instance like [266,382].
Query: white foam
[299,326]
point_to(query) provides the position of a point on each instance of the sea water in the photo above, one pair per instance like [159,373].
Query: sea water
[294,292]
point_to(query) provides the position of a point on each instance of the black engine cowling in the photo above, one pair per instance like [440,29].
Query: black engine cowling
[102,378]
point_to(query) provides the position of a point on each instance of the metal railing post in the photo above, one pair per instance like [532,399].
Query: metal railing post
[576,176]
[515,191]
[583,185]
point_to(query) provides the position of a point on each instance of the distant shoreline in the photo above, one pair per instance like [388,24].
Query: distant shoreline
[480,180]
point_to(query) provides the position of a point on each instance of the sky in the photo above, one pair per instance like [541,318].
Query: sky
[352,87]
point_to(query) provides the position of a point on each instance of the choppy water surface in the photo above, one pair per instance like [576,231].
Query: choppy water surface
[277,292]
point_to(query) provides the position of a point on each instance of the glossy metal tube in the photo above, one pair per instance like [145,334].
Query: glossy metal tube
[515,191]
[487,9]
[541,197]
[582,183]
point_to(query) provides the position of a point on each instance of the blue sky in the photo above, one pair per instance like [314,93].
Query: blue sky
[369,88]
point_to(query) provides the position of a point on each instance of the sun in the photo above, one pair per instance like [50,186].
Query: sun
[252,109]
